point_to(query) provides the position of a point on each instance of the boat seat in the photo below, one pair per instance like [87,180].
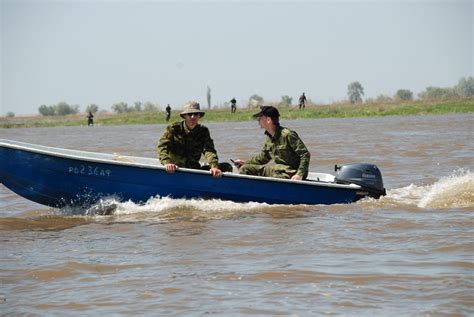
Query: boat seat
[320,177]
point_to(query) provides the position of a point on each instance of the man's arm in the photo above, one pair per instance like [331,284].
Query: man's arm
[162,149]
[261,158]
[300,148]
[209,150]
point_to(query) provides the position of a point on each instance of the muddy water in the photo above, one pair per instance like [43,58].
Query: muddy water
[410,253]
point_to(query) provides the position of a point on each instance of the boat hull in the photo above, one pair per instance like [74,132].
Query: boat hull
[74,178]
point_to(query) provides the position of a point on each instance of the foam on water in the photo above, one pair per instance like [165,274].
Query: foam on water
[158,204]
[166,209]
[453,191]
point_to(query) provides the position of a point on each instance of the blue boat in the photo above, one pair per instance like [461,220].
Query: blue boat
[58,177]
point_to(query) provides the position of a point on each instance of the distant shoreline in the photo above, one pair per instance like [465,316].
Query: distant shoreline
[245,114]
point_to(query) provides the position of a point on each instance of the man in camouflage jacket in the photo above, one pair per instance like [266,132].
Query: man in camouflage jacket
[282,145]
[183,143]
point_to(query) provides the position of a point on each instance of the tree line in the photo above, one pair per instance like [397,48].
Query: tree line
[464,89]
[63,108]
[355,91]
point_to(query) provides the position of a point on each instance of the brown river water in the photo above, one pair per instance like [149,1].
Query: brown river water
[411,253]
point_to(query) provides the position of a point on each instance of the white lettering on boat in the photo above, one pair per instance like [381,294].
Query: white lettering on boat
[89,170]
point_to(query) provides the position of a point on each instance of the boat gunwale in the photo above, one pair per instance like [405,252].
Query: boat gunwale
[109,159]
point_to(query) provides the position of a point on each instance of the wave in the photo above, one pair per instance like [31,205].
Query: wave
[166,209]
[156,210]
[453,191]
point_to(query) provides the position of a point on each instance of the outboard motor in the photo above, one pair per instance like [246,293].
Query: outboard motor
[367,176]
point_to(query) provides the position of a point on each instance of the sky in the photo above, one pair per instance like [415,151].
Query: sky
[104,52]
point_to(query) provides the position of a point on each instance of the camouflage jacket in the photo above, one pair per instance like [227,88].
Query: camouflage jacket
[184,147]
[285,148]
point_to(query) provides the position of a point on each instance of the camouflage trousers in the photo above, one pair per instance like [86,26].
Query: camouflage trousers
[278,170]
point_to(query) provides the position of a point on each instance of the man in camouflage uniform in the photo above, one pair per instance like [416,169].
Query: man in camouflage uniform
[233,105]
[183,143]
[302,101]
[282,145]
[168,112]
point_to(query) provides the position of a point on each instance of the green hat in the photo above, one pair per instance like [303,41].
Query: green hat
[268,111]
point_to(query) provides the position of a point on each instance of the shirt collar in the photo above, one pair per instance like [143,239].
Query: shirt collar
[277,133]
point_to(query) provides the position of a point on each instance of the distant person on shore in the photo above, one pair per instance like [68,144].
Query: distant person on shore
[233,105]
[183,143]
[302,101]
[282,145]
[90,119]
[168,112]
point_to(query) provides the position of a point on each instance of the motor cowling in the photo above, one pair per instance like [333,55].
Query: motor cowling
[368,176]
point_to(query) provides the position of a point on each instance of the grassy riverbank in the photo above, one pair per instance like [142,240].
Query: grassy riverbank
[245,114]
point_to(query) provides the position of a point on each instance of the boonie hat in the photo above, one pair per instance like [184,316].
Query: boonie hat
[191,107]
[268,111]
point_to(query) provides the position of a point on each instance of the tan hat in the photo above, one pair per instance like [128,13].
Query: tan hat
[191,107]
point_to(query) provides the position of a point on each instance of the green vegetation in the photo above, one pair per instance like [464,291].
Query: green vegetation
[463,90]
[92,108]
[286,101]
[403,108]
[403,94]
[61,109]
[355,92]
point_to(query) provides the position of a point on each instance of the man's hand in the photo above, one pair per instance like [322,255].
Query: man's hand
[171,168]
[296,177]
[239,163]
[216,172]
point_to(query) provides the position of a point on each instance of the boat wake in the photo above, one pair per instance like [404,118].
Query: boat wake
[453,191]
[166,209]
